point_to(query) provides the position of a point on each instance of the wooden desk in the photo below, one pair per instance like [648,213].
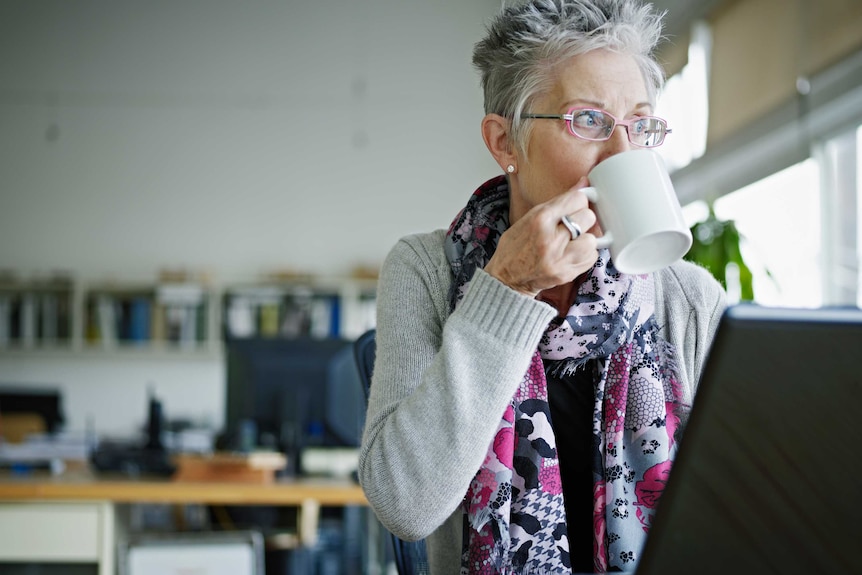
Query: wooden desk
[84,486]
[40,510]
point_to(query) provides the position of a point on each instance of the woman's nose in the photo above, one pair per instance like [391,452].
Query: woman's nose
[618,142]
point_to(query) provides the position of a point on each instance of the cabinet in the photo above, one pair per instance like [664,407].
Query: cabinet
[69,532]
[184,317]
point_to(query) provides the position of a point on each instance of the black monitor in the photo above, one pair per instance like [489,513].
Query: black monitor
[46,402]
[298,392]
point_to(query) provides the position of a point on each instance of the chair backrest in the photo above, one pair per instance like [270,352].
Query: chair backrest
[365,351]
[411,557]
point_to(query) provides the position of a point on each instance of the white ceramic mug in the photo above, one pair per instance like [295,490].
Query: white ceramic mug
[638,211]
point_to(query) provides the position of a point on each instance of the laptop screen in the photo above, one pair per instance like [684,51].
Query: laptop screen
[768,472]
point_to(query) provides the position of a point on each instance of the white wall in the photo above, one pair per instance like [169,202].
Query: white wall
[233,138]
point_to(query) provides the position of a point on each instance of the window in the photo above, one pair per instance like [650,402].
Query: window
[859,212]
[799,224]
[684,104]
[779,219]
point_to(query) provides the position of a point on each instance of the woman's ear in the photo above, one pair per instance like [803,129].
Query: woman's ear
[497,136]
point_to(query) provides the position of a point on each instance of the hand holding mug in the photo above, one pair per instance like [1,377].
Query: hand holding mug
[536,253]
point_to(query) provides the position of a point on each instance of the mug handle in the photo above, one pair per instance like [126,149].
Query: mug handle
[606,240]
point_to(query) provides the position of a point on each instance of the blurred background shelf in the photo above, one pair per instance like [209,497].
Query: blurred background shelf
[62,315]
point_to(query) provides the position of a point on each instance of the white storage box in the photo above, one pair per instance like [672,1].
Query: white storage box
[217,553]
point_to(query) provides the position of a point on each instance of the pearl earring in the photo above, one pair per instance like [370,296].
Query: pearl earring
[511,169]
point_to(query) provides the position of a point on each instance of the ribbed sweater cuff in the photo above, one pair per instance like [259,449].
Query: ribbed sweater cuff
[503,313]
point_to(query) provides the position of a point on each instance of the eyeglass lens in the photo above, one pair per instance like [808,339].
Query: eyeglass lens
[597,125]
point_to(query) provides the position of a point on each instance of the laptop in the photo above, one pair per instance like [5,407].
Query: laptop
[768,477]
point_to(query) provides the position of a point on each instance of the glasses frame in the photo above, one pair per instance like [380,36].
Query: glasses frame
[569,117]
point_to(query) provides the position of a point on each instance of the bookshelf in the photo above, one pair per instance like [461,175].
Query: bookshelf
[37,313]
[313,307]
[164,315]
[176,317]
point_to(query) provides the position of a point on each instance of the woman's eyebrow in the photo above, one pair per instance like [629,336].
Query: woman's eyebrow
[602,105]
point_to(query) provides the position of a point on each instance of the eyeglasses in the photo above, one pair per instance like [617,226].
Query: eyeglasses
[598,126]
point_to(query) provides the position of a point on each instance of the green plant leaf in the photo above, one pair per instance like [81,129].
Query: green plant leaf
[708,248]
[732,240]
[716,245]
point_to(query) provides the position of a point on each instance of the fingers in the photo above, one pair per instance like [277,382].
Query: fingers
[546,220]
[576,225]
[539,252]
[582,222]
[576,206]
[578,250]
[574,229]
[571,203]
[573,199]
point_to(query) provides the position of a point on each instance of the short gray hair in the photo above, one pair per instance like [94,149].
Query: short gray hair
[525,43]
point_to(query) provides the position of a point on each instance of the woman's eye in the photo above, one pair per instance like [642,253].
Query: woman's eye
[589,119]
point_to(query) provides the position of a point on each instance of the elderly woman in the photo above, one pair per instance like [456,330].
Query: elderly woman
[527,397]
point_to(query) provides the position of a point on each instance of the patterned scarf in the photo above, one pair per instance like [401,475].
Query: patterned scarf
[515,518]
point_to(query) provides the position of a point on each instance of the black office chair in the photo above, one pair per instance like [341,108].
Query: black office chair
[410,556]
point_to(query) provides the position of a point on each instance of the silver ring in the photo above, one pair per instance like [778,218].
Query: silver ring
[573,228]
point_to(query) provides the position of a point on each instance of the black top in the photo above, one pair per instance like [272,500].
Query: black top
[571,403]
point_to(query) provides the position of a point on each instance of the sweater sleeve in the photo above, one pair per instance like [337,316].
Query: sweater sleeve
[440,385]
[691,304]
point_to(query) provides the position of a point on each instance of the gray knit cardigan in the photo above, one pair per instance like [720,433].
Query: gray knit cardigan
[441,380]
